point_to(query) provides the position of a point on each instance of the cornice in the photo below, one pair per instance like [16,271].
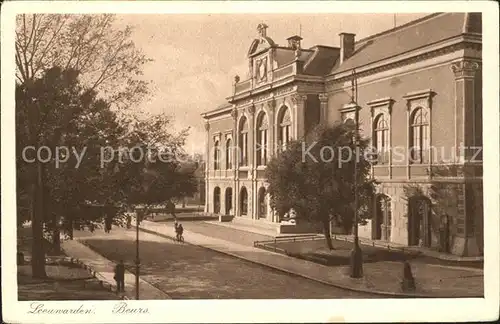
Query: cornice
[421,94]
[447,46]
[349,107]
[214,113]
[380,102]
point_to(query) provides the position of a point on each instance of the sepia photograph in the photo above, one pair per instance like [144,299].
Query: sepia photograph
[240,155]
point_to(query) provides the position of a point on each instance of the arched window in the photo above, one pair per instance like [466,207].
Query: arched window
[243,141]
[243,201]
[229,154]
[216,156]
[261,145]
[216,200]
[284,128]
[381,138]
[419,136]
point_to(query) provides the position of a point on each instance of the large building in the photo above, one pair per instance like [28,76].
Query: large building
[419,88]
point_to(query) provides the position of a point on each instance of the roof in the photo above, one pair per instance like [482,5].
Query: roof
[322,60]
[223,105]
[413,35]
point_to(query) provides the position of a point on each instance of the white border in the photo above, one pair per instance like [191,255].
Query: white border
[246,311]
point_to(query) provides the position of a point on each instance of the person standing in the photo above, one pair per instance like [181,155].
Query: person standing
[107,224]
[120,277]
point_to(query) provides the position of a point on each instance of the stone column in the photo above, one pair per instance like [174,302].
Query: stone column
[251,158]
[464,72]
[208,194]
[271,140]
[235,153]
[299,101]
[323,103]
[465,243]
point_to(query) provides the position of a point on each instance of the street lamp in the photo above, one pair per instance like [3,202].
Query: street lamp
[146,185]
[137,260]
[356,253]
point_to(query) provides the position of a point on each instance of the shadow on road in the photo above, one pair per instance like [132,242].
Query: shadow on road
[187,271]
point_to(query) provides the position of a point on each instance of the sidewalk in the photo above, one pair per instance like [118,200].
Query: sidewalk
[381,278]
[104,270]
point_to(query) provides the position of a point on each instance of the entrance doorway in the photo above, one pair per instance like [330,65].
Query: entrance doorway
[419,225]
[243,202]
[262,203]
[229,201]
[381,229]
[216,200]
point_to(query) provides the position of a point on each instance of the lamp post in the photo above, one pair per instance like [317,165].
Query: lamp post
[137,260]
[149,180]
[356,253]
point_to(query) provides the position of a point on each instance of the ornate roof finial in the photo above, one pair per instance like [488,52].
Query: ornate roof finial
[261,28]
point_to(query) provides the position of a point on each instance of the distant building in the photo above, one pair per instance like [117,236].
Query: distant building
[419,87]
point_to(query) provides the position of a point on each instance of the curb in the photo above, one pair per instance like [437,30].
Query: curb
[95,274]
[375,292]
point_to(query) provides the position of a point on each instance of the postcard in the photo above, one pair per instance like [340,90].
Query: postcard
[249,161]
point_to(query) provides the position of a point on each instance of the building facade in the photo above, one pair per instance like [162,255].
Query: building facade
[419,97]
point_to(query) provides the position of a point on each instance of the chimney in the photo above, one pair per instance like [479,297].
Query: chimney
[294,42]
[346,46]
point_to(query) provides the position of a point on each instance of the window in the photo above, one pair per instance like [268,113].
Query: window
[381,139]
[243,142]
[284,128]
[243,201]
[419,136]
[261,145]
[229,154]
[216,156]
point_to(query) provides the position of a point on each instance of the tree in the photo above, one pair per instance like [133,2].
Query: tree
[57,112]
[316,178]
[105,58]
[159,176]
[103,53]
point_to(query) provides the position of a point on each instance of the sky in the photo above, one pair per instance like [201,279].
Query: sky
[195,57]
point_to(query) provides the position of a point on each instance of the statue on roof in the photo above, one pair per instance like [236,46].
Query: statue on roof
[261,28]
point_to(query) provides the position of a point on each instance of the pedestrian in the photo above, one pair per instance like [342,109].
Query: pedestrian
[107,224]
[179,231]
[120,277]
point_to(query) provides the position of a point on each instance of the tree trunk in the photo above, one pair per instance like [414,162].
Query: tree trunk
[328,236]
[56,240]
[71,228]
[37,249]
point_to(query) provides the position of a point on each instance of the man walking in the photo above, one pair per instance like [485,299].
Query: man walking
[120,277]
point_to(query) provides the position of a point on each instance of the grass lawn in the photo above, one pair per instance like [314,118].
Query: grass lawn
[317,251]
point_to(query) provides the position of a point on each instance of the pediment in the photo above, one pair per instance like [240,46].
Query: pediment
[259,45]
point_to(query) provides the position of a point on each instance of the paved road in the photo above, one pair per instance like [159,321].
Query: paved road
[190,272]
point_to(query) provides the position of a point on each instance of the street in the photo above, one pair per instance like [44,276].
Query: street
[185,271]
